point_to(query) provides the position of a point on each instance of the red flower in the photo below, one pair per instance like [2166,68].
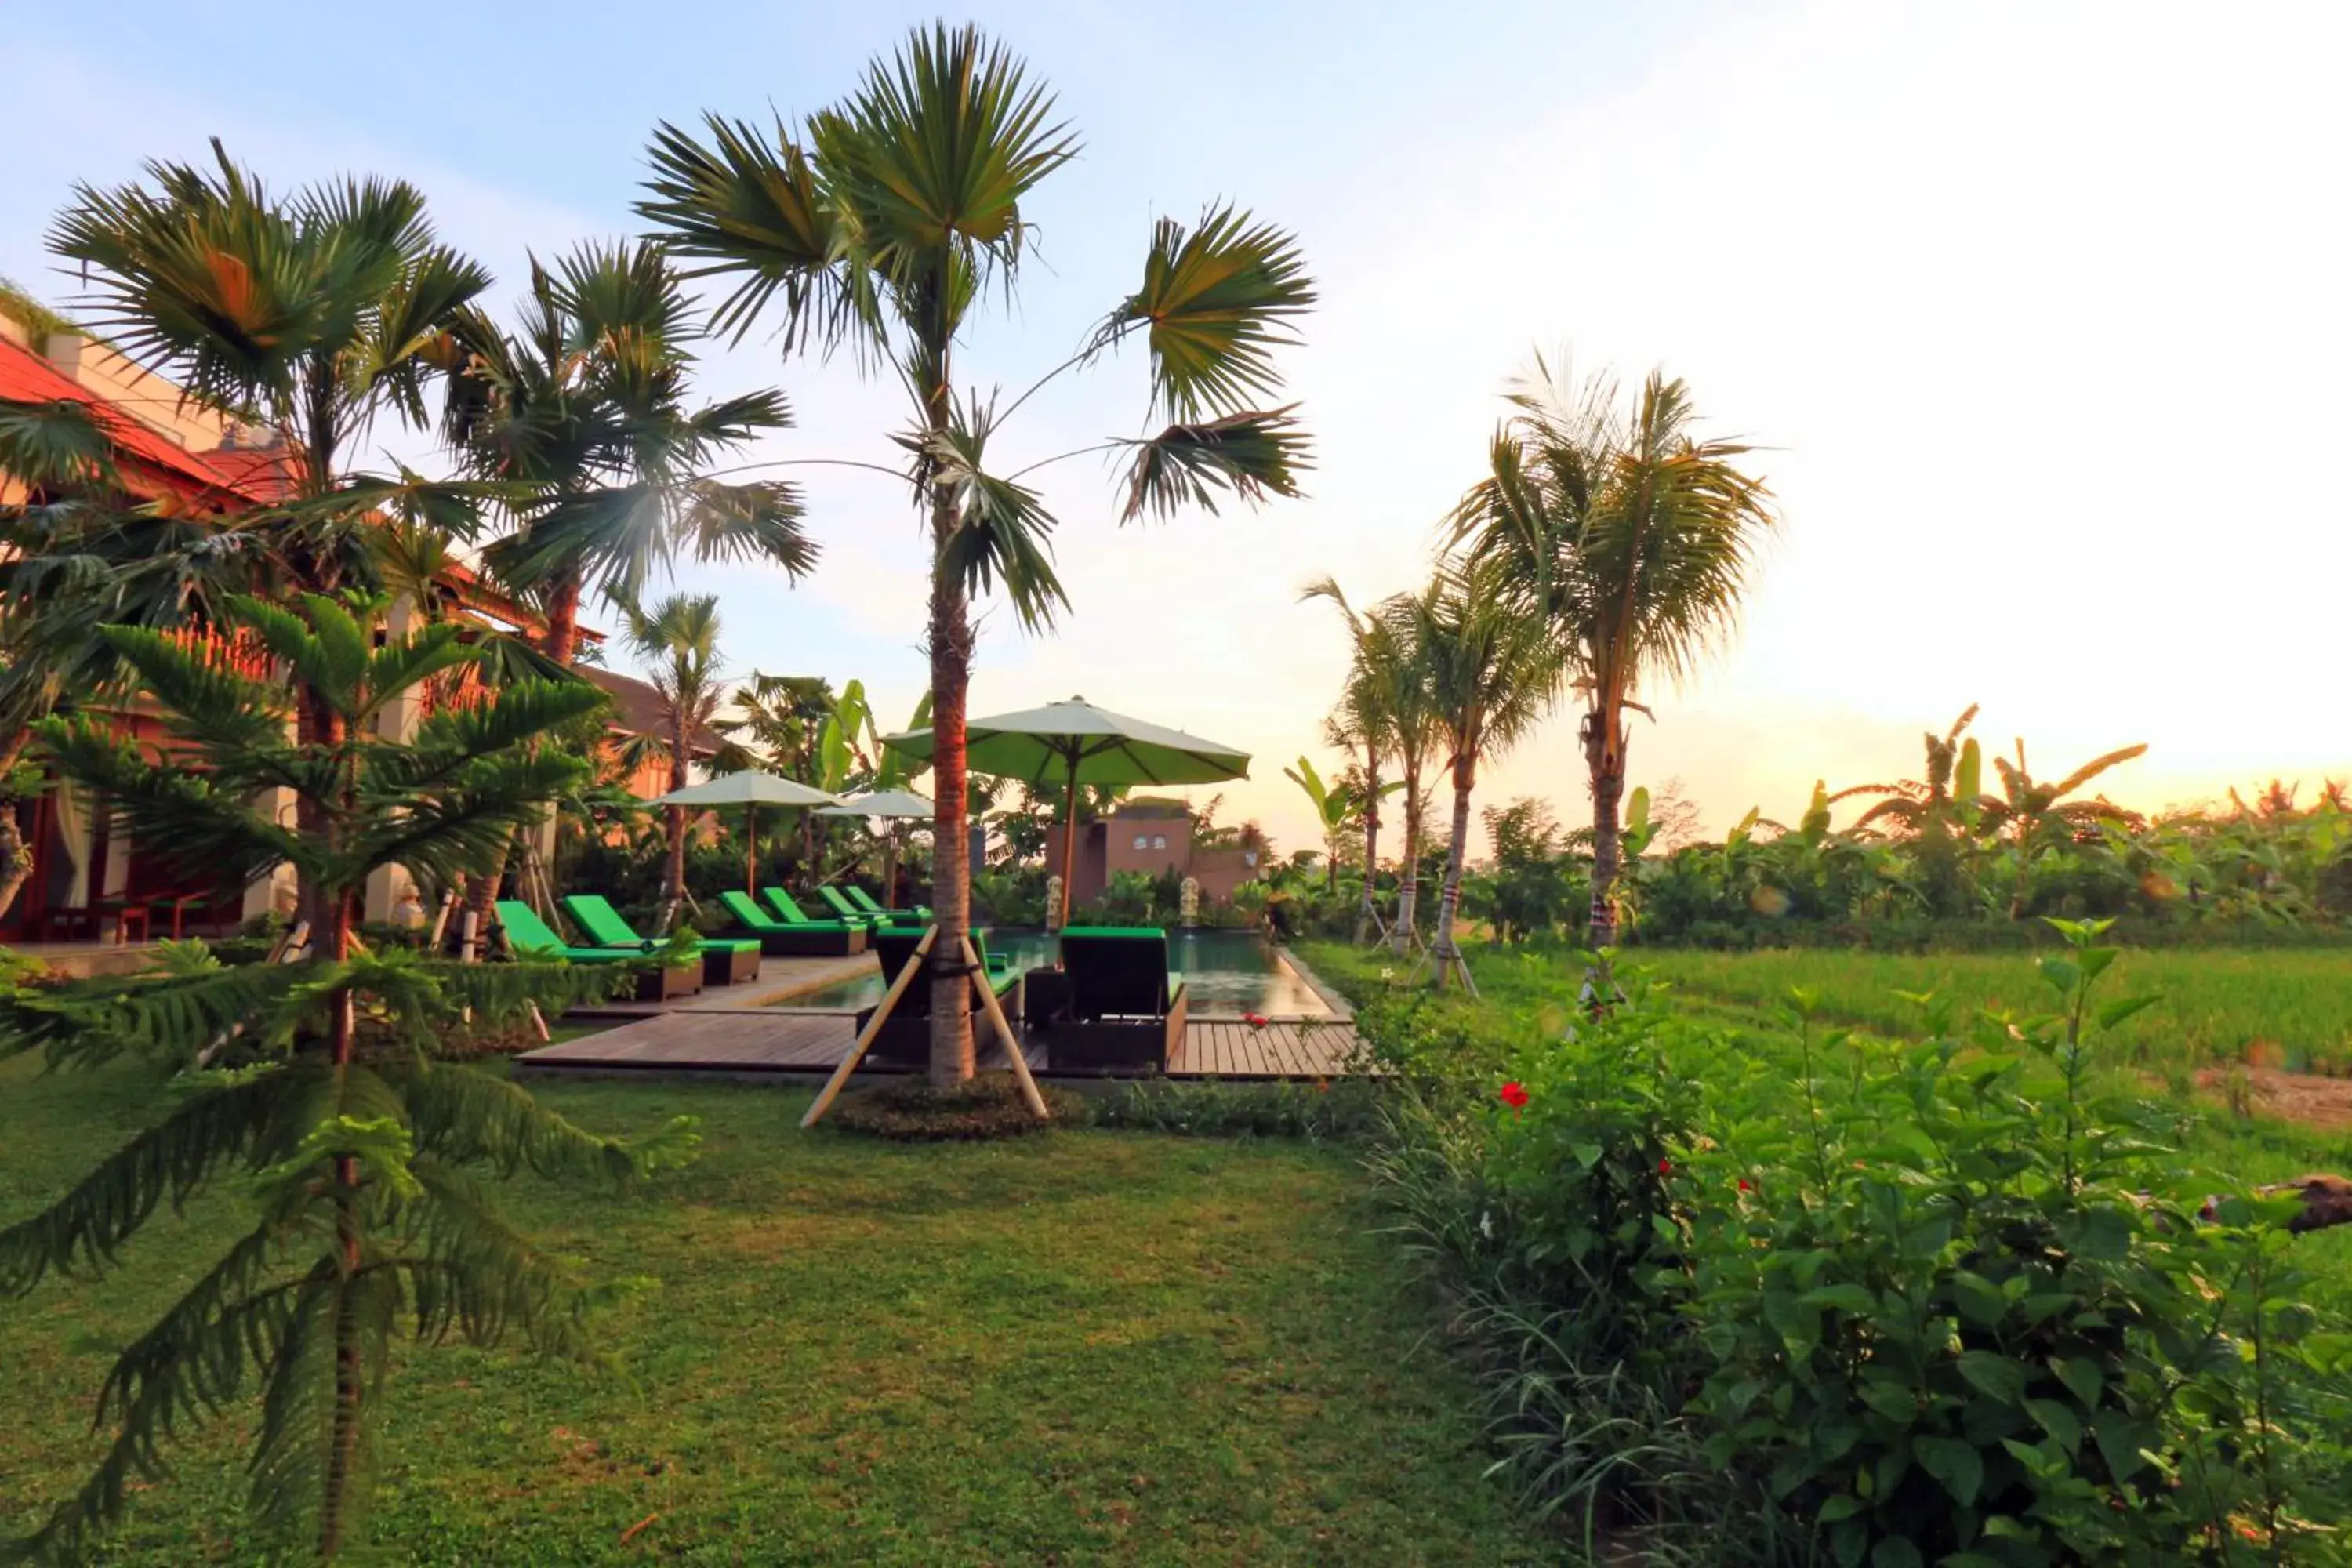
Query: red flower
[1254,1020]
[1513,1096]
[1665,1167]
[1745,1185]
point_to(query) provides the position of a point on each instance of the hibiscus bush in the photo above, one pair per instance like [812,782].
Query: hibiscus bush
[1825,1298]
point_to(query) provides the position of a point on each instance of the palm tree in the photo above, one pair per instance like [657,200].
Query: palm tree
[1634,540]
[1336,807]
[1371,703]
[1940,812]
[2037,818]
[880,224]
[582,415]
[679,637]
[319,313]
[1492,673]
[782,716]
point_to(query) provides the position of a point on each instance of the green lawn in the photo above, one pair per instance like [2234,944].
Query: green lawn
[1085,1347]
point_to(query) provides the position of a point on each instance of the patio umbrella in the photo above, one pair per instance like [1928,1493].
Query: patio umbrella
[1076,743]
[750,789]
[890,803]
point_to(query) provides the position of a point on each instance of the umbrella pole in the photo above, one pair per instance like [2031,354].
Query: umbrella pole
[1070,840]
[751,849]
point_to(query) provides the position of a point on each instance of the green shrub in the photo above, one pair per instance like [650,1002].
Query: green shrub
[1821,1298]
[1345,1108]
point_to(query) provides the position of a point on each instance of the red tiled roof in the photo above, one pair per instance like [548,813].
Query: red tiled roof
[637,707]
[27,377]
[262,474]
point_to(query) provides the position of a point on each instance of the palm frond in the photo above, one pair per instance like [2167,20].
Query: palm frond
[56,446]
[1217,300]
[1247,455]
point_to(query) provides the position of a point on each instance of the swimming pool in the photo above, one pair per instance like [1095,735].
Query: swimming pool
[1226,972]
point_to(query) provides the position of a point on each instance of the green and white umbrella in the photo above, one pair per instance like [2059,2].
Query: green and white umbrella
[1075,742]
[880,803]
[750,789]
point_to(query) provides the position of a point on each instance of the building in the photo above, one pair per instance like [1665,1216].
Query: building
[1153,837]
[86,880]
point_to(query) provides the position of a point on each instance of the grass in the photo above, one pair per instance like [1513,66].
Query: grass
[2281,1007]
[1089,1347]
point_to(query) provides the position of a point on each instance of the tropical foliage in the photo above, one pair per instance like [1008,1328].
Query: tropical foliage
[318,1080]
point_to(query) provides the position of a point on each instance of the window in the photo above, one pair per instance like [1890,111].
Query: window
[1159,841]
[1142,842]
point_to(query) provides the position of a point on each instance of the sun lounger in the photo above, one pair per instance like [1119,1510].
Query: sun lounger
[906,1036]
[531,937]
[920,915]
[782,939]
[1122,1010]
[726,961]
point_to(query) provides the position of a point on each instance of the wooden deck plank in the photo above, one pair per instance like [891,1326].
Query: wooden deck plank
[773,1040]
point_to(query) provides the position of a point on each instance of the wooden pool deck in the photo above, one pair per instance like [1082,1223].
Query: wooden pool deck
[772,1043]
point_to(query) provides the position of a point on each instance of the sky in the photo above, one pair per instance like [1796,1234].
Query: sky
[2036,312]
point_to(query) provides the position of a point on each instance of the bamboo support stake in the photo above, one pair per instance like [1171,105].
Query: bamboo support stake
[833,1085]
[1004,1031]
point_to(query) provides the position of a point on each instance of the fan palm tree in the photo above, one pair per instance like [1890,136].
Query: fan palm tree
[581,415]
[678,640]
[319,315]
[1634,540]
[879,224]
[1493,673]
[2036,816]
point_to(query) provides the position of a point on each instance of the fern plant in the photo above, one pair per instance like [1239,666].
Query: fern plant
[316,1080]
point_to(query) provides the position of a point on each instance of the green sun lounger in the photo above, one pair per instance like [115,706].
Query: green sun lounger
[726,961]
[531,937]
[920,915]
[1124,1010]
[782,939]
[875,917]
[780,903]
[906,1036]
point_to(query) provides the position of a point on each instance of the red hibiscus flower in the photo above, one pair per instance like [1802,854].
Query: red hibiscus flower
[1665,1167]
[1745,1185]
[1513,1096]
[1254,1020]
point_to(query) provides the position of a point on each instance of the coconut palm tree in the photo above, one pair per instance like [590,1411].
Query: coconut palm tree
[1634,540]
[879,224]
[1375,701]
[678,640]
[1492,673]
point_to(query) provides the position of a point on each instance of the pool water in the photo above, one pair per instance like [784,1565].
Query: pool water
[1226,972]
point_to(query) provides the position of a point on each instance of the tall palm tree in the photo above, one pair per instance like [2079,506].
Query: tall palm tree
[880,224]
[1493,673]
[319,313]
[678,641]
[1368,720]
[582,417]
[1634,540]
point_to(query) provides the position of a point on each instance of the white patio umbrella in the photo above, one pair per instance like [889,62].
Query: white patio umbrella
[894,804]
[750,789]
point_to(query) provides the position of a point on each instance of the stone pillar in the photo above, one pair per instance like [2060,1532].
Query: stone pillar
[390,889]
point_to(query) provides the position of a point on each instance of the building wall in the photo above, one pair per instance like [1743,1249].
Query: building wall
[1109,847]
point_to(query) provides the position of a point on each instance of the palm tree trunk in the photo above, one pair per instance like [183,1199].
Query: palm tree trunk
[1608,768]
[1448,951]
[1409,878]
[674,876]
[1372,841]
[951,641]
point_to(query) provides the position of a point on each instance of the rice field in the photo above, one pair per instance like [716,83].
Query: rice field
[2283,1008]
